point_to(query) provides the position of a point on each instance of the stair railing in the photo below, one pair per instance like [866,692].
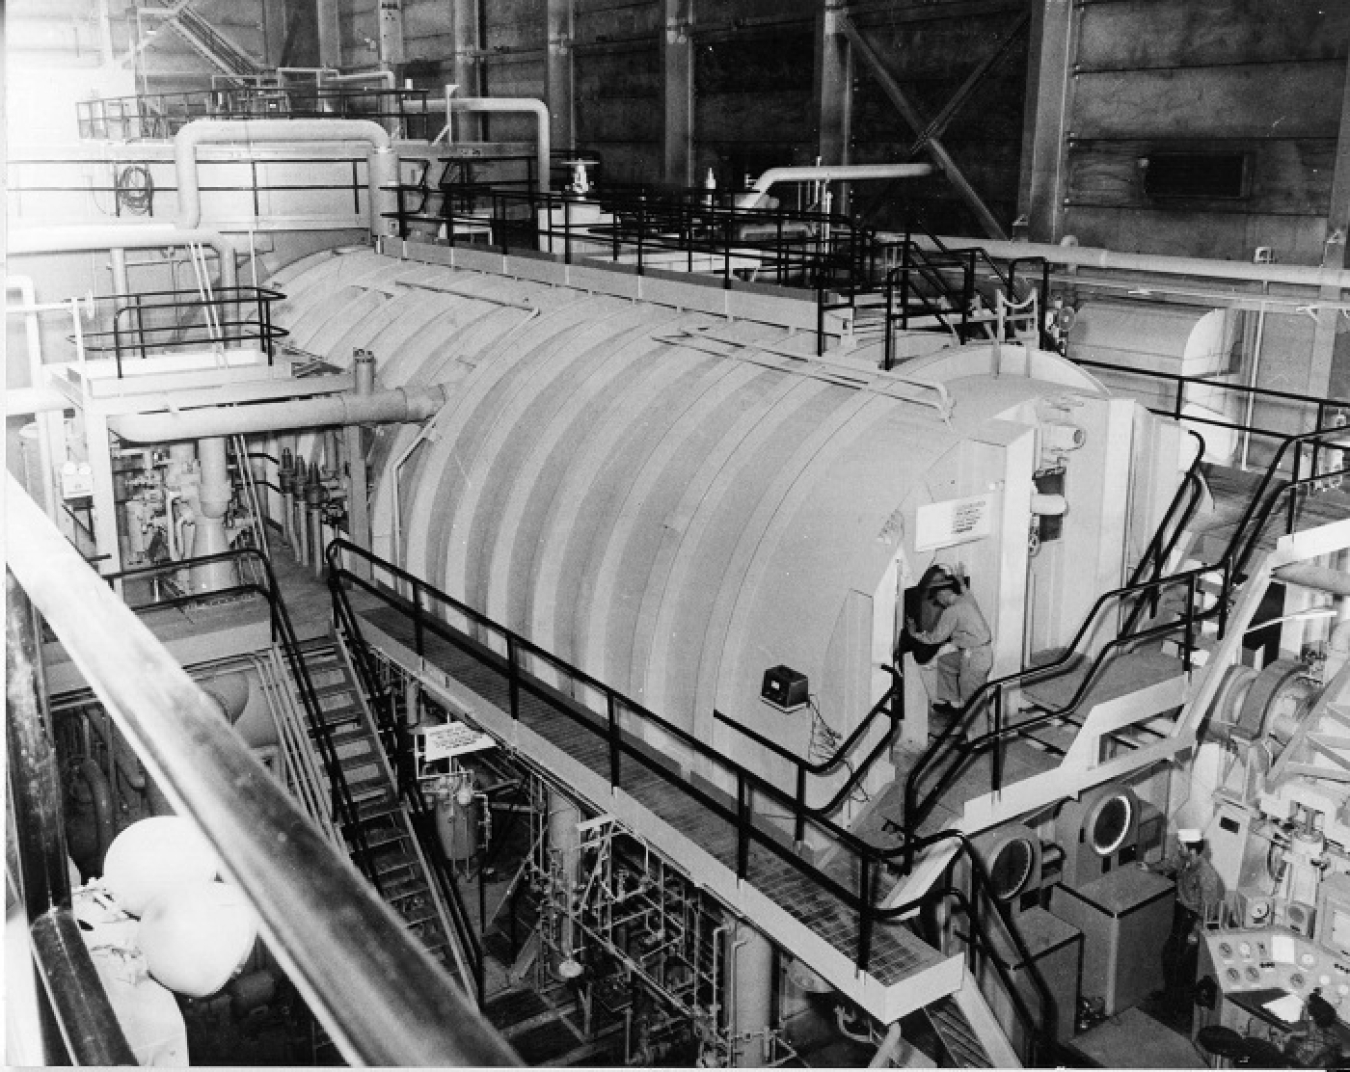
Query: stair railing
[953,746]
[1179,512]
[736,809]
[283,633]
[1016,288]
[379,995]
[398,750]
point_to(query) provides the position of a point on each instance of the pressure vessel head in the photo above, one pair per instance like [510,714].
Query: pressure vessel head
[155,855]
[196,937]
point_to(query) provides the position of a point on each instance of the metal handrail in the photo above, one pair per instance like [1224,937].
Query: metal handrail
[346,620]
[283,632]
[375,991]
[737,812]
[1227,570]
[1179,512]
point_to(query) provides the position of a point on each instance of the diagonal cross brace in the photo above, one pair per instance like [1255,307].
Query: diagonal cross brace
[927,133]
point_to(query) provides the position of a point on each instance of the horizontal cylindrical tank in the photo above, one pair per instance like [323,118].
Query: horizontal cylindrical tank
[671,500]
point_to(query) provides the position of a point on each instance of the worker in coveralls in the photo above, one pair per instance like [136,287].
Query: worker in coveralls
[1199,895]
[962,671]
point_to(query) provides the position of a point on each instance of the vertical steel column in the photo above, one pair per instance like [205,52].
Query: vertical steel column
[677,70]
[330,32]
[834,93]
[1333,256]
[1054,43]
[559,85]
[389,30]
[468,34]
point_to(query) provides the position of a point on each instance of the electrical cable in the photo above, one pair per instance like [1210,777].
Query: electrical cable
[134,188]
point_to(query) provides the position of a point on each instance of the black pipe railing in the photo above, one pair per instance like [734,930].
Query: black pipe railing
[79,1023]
[373,988]
[186,319]
[1178,515]
[1320,410]
[158,116]
[953,746]
[283,633]
[428,610]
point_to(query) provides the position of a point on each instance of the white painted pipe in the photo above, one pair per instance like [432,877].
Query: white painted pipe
[1088,257]
[22,401]
[381,163]
[829,173]
[213,497]
[392,406]
[51,432]
[387,77]
[527,105]
[130,236]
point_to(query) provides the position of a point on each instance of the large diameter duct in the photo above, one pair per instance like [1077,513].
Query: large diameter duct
[382,162]
[382,407]
[511,105]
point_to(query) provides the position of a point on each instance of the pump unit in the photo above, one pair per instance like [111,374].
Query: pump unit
[1098,832]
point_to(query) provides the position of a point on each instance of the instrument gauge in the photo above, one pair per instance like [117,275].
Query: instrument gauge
[1245,948]
[1225,950]
[1308,960]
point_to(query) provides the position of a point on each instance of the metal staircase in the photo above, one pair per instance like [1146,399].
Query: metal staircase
[838,916]
[222,53]
[396,861]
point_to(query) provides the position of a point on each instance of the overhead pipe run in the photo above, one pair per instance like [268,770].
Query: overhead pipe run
[829,173]
[392,406]
[522,105]
[122,237]
[381,163]
[1161,264]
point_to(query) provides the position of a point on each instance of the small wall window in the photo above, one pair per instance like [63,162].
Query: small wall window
[1195,175]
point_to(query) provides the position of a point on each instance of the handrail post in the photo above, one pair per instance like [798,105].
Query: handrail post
[611,712]
[996,767]
[866,922]
[1292,510]
[513,675]
[417,618]
[799,823]
[1225,590]
[1190,623]
[742,826]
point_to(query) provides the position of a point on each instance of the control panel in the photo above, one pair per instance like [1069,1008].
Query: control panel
[1273,957]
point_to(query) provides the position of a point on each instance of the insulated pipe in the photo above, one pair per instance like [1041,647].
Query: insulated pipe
[41,398]
[826,173]
[391,406]
[382,162]
[1087,257]
[213,498]
[387,77]
[536,108]
[137,236]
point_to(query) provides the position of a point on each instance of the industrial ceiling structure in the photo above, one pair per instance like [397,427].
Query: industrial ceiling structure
[678,533]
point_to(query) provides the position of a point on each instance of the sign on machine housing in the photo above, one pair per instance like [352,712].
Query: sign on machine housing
[952,521]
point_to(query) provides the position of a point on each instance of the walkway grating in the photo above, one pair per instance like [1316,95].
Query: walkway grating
[661,786]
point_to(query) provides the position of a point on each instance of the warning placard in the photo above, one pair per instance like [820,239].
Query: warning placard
[942,524]
[452,739]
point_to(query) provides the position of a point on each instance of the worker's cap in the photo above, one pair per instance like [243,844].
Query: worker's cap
[1189,835]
